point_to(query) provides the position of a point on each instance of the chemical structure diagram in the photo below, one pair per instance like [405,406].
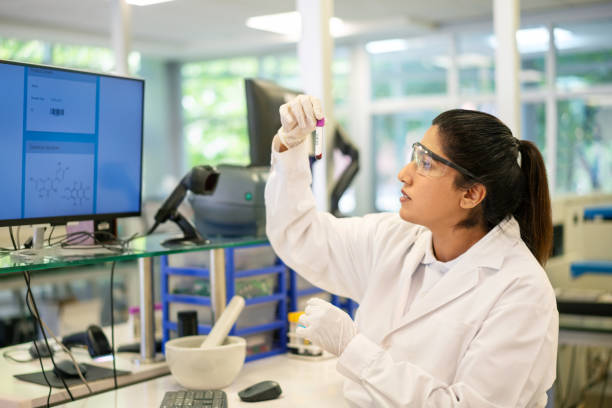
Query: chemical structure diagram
[50,187]
[78,193]
[47,185]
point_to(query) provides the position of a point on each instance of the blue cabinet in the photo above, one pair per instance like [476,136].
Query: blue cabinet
[274,328]
[348,305]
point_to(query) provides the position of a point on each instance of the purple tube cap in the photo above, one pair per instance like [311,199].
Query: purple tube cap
[321,122]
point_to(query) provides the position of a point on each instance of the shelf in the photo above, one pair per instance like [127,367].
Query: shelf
[245,331]
[309,291]
[190,299]
[231,274]
[188,271]
[261,271]
[264,299]
[142,247]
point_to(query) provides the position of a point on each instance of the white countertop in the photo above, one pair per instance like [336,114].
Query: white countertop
[304,384]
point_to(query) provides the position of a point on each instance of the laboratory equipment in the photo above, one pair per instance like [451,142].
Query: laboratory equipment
[187,323]
[237,208]
[71,145]
[66,369]
[207,398]
[200,180]
[319,138]
[40,349]
[263,99]
[205,368]
[224,324]
[299,345]
[262,391]
[93,338]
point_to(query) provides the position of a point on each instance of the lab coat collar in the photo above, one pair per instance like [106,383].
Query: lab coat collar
[488,252]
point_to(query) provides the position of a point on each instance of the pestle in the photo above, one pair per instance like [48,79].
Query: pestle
[222,326]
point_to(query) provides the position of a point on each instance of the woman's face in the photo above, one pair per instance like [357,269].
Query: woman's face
[432,201]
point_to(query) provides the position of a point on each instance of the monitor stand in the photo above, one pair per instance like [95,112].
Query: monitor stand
[38,237]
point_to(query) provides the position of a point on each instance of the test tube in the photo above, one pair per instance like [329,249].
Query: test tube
[319,138]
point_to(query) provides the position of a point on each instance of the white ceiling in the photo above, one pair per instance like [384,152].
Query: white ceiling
[202,28]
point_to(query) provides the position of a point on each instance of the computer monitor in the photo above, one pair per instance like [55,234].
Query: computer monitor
[263,99]
[71,145]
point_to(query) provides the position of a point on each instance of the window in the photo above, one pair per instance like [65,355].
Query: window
[584,145]
[584,54]
[393,136]
[476,63]
[214,110]
[25,51]
[214,106]
[403,67]
[533,123]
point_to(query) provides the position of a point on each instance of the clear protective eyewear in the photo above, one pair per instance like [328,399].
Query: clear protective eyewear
[430,164]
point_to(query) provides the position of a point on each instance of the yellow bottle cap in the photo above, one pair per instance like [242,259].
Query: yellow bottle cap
[293,317]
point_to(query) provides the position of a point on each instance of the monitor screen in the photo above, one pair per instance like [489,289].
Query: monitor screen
[71,145]
[263,99]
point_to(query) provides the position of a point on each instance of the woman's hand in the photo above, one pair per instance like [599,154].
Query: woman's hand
[326,326]
[298,118]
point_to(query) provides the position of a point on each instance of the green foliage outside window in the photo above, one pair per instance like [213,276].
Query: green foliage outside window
[214,110]
[214,105]
[584,147]
[24,51]
[79,57]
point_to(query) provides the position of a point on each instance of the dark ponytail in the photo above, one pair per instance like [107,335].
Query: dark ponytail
[534,213]
[512,171]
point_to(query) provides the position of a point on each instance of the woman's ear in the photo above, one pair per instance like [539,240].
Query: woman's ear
[473,196]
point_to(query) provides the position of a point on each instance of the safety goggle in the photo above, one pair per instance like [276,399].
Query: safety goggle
[430,164]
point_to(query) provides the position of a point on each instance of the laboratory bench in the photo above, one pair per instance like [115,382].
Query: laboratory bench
[304,384]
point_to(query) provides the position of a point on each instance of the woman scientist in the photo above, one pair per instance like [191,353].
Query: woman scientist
[455,309]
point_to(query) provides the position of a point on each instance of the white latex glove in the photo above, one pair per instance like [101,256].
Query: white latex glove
[299,118]
[326,326]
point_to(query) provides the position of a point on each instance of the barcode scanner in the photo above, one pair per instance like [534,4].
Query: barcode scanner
[93,338]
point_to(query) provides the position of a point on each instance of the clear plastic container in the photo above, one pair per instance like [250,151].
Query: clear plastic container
[247,287]
[296,344]
[252,315]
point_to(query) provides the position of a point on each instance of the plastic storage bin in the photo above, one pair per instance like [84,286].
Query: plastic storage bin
[263,286]
[251,315]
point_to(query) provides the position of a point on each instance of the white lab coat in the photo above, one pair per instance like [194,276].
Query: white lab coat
[484,336]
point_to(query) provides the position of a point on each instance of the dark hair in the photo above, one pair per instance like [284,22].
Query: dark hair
[512,171]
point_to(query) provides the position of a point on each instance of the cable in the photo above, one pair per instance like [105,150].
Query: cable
[8,354]
[66,350]
[34,312]
[18,240]
[12,238]
[50,234]
[112,313]
[27,279]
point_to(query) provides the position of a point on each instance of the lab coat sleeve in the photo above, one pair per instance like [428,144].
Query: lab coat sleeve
[332,253]
[510,363]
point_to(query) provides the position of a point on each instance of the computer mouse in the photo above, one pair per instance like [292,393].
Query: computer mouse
[43,350]
[66,369]
[262,391]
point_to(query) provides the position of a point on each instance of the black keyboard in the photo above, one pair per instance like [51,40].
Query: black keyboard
[195,399]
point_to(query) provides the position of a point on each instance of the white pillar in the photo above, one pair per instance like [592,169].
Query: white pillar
[551,110]
[506,15]
[315,51]
[121,19]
